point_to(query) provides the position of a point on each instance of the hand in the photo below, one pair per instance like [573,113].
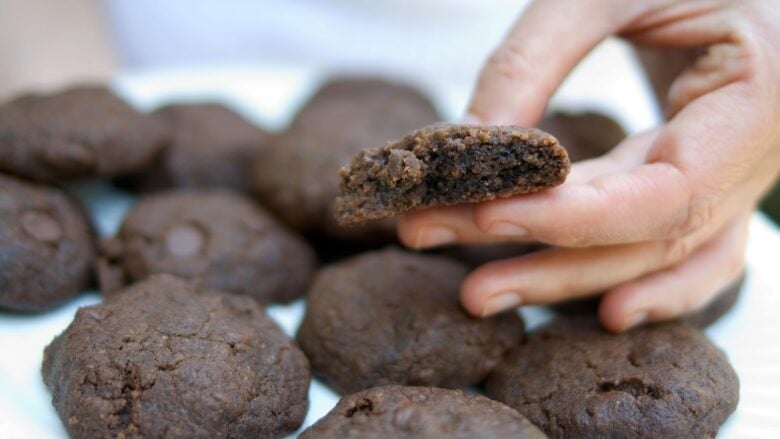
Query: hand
[660,223]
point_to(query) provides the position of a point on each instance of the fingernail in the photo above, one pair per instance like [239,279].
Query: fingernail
[501,302]
[635,319]
[507,229]
[433,236]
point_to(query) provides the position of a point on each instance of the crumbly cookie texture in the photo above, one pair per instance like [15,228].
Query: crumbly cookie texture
[169,359]
[446,164]
[573,379]
[420,412]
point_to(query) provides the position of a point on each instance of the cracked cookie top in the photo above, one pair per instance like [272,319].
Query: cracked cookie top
[420,412]
[169,359]
[393,317]
[218,238]
[573,379]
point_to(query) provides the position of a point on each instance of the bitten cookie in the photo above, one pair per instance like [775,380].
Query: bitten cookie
[76,133]
[391,317]
[47,248]
[445,164]
[298,177]
[220,239]
[210,146]
[572,379]
[420,412]
[168,359]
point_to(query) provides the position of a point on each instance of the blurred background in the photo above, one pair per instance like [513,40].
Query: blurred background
[47,45]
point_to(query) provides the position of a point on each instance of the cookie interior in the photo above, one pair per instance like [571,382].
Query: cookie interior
[448,164]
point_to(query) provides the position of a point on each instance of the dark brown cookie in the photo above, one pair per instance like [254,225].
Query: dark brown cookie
[711,313]
[445,164]
[420,412]
[81,132]
[663,66]
[298,177]
[168,359]
[584,135]
[391,317]
[47,249]
[218,238]
[210,146]
[573,379]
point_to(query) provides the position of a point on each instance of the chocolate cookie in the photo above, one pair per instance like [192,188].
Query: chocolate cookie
[391,317]
[168,359]
[420,412]
[663,66]
[573,379]
[46,246]
[218,238]
[210,146]
[446,164]
[711,313]
[584,135]
[81,132]
[298,176]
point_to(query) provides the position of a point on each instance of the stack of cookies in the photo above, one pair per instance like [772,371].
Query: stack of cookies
[231,218]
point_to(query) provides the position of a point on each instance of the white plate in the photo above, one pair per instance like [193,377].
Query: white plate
[268,95]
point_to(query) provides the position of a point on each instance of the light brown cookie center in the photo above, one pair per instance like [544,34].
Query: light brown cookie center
[41,226]
[185,240]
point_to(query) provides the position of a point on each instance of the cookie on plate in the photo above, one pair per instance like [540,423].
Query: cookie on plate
[445,164]
[218,238]
[81,132]
[585,135]
[392,317]
[169,359]
[420,412]
[298,177]
[711,313]
[47,247]
[210,146]
[573,379]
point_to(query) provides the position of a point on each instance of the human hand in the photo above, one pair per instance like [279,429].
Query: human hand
[660,223]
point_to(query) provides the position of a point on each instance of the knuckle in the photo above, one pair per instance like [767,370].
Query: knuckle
[698,213]
[674,251]
[510,61]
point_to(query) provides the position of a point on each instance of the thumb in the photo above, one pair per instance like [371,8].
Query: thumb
[544,45]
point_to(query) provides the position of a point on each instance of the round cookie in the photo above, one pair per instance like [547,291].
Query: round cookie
[218,238]
[711,313]
[47,249]
[210,146]
[420,412]
[80,132]
[391,317]
[298,176]
[573,379]
[168,359]
[584,135]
